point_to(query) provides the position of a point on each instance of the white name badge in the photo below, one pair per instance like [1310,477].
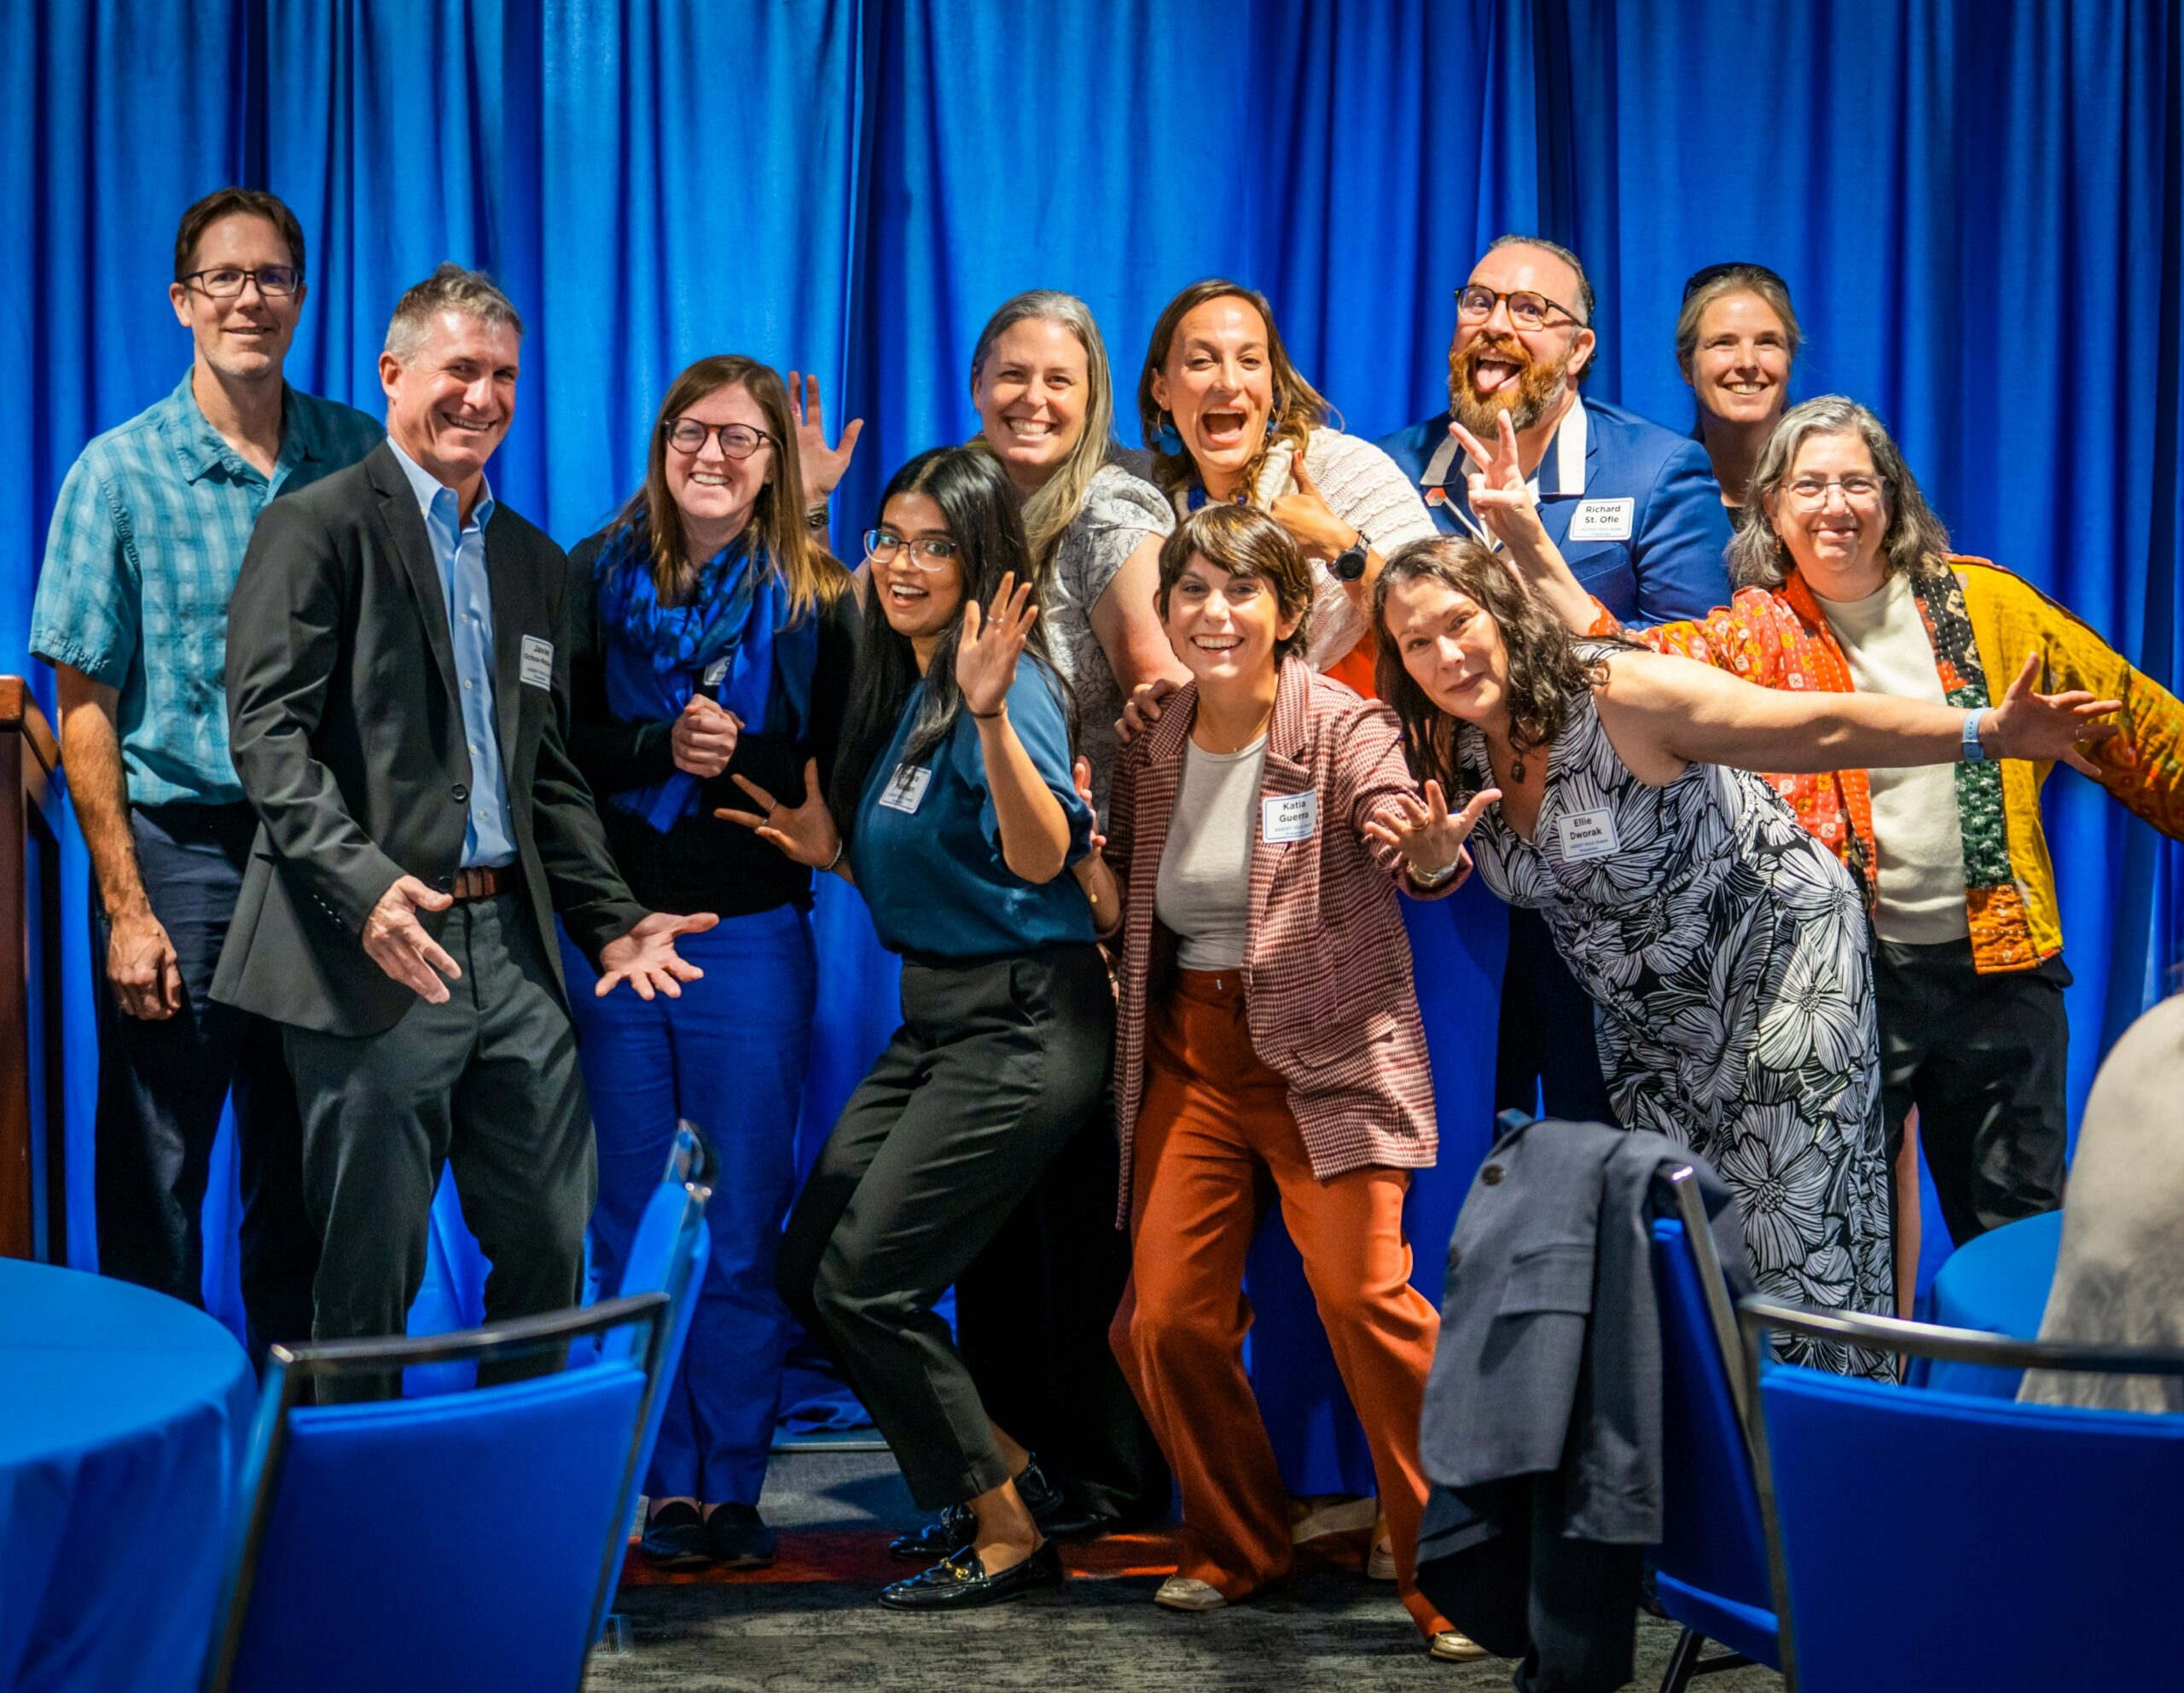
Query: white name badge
[906,789]
[1587,835]
[1602,520]
[537,669]
[716,670]
[1289,817]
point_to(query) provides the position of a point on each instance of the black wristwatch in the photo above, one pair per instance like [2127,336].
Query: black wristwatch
[1348,564]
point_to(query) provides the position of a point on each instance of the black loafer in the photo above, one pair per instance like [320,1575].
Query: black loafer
[675,1538]
[738,1538]
[959,1582]
[957,1526]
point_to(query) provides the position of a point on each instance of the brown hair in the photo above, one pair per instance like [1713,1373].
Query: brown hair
[1547,672]
[1915,536]
[813,578]
[226,203]
[1060,498]
[1299,408]
[1735,279]
[1248,544]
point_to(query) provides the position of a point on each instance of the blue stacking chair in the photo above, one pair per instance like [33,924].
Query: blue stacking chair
[1921,1540]
[467,1540]
[1711,1572]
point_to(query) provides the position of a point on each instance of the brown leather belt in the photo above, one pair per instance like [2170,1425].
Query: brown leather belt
[483,882]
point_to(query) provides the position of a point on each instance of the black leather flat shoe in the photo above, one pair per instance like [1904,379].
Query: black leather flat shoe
[738,1538]
[675,1538]
[960,1582]
[957,1526]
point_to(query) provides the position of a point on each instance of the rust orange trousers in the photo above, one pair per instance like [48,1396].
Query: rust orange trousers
[1215,1125]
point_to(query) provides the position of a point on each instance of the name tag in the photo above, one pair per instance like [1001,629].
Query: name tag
[906,789]
[1587,834]
[1289,817]
[716,670]
[1602,520]
[536,667]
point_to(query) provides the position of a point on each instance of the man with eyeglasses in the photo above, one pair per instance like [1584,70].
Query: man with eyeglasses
[132,614]
[1636,510]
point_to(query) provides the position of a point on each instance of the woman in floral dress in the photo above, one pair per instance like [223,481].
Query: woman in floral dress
[1724,948]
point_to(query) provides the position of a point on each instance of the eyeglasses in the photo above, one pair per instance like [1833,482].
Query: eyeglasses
[927,552]
[1527,310]
[1809,493]
[737,440]
[1698,279]
[274,282]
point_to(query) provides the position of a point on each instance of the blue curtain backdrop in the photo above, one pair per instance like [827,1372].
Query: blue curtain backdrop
[1976,202]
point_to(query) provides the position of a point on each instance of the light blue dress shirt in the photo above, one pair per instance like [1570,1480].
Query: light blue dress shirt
[489,836]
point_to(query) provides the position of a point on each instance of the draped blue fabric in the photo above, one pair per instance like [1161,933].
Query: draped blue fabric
[1977,204]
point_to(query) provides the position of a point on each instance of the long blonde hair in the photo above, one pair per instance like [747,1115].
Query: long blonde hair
[1062,497]
[813,578]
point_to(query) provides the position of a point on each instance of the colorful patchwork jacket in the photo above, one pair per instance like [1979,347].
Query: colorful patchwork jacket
[1983,621]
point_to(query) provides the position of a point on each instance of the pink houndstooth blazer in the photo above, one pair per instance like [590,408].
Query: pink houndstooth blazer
[1326,966]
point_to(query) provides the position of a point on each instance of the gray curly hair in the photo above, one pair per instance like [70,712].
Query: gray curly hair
[1757,557]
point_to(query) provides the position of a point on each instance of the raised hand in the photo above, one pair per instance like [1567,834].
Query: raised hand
[805,832]
[2047,726]
[397,942]
[1501,498]
[704,736]
[987,650]
[823,466]
[1080,778]
[1309,520]
[1430,839]
[646,957]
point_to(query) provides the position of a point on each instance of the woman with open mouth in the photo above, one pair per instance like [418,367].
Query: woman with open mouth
[1268,1034]
[1230,418]
[954,810]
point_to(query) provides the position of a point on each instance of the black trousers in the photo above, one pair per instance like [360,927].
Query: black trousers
[487,1081]
[995,1067]
[1983,1059]
[1546,1055]
[162,1085]
[1031,1318]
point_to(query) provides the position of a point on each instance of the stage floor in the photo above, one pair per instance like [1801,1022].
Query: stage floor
[809,1623]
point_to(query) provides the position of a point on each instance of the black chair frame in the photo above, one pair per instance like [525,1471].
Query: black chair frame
[1759,1318]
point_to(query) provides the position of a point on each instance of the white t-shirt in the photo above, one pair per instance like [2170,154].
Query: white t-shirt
[1203,891]
[1917,826]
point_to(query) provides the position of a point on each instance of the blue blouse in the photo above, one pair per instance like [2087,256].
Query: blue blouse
[927,851]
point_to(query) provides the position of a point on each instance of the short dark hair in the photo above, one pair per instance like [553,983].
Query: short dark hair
[1248,544]
[226,203]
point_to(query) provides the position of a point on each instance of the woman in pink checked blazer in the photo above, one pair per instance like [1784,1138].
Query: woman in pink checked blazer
[1267,1030]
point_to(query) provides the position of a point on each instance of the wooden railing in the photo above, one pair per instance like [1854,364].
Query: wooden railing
[33,1172]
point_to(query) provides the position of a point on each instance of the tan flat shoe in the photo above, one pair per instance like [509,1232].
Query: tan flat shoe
[1381,1562]
[1184,1593]
[1452,1648]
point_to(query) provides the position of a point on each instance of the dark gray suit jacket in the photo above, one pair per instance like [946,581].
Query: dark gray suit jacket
[342,711]
[1550,1355]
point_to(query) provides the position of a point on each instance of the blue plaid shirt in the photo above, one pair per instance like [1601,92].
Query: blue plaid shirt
[148,534]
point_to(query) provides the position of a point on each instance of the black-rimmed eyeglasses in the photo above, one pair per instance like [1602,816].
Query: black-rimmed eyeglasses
[1698,279]
[274,282]
[1527,310]
[737,440]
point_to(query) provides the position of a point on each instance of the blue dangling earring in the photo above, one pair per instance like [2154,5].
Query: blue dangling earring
[1167,441]
[1274,415]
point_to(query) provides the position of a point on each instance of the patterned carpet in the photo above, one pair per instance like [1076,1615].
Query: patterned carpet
[809,1622]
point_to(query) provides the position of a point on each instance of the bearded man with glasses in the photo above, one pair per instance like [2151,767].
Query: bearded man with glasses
[1635,509]
[131,612]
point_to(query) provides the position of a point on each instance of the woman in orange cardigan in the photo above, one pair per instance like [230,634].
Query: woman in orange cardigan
[1266,1032]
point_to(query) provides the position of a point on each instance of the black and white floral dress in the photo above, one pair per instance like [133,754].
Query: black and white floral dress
[1725,952]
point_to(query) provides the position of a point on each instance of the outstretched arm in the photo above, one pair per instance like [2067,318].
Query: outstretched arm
[1664,711]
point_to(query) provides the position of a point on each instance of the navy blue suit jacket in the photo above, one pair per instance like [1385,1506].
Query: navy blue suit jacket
[1660,559]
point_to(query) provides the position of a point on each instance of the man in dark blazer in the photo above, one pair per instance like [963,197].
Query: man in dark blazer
[398,686]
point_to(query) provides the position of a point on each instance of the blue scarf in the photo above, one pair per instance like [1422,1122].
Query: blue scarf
[658,657]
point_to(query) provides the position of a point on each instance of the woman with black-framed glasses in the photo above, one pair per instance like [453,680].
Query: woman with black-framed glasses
[1736,339]
[712,637]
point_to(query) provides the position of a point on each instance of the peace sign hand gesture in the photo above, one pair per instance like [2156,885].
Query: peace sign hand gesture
[823,466]
[805,832]
[1500,498]
[1430,840]
[987,650]
[1308,517]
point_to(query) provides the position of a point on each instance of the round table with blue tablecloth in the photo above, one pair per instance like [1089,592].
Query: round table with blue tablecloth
[124,1417]
[1998,1282]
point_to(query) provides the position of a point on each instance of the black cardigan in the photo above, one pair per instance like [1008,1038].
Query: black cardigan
[702,863]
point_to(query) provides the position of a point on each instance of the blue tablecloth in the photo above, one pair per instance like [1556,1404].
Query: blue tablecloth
[1997,1283]
[124,1417]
